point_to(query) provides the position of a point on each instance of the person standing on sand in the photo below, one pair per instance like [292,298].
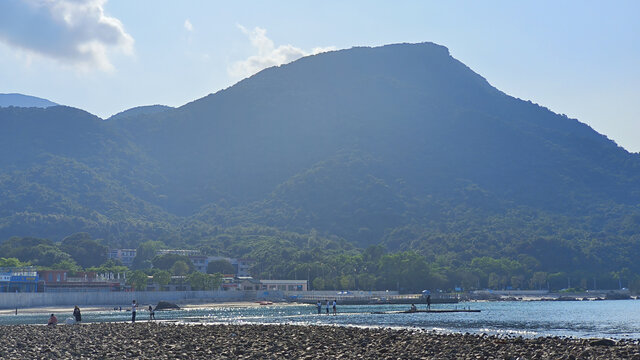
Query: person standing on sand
[328,304]
[428,302]
[334,307]
[134,307]
[76,314]
[152,314]
[319,305]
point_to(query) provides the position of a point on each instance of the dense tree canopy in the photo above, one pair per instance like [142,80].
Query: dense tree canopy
[85,251]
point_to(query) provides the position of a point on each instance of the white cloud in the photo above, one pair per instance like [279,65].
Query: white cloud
[268,55]
[74,32]
[188,25]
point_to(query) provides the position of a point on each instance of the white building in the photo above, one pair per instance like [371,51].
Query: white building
[284,285]
[125,256]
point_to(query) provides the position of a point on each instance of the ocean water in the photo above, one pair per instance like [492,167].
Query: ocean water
[583,319]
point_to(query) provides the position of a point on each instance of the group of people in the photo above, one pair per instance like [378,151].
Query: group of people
[329,304]
[53,320]
[134,308]
[415,309]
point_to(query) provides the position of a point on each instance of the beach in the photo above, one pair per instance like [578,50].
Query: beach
[168,341]
[59,309]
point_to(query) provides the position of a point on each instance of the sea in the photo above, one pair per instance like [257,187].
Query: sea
[618,319]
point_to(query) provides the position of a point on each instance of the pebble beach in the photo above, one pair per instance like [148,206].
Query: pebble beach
[172,341]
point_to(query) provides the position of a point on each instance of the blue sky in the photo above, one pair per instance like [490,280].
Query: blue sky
[579,58]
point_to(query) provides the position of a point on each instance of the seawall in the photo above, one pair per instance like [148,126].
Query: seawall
[25,300]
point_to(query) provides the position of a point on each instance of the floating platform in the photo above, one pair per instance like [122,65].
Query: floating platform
[428,311]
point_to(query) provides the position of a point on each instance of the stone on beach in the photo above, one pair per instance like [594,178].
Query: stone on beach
[168,341]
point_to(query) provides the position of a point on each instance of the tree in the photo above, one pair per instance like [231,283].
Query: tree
[41,252]
[215,280]
[162,277]
[145,252]
[180,268]
[85,251]
[12,263]
[221,266]
[539,280]
[138,280]
[200,281]
[166,262]
[68,265]
[197,280]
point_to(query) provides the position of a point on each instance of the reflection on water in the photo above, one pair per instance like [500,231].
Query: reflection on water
[617,319]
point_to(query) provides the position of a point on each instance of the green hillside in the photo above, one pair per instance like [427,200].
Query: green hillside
[341,166]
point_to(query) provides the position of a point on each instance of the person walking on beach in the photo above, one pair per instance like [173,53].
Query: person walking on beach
[76,314]
[428,302]
[319,305]
[152,314]
[328,304]
[53,321]
[134,307]
[334,307]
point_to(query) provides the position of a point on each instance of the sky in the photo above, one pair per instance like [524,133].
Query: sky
[579,58]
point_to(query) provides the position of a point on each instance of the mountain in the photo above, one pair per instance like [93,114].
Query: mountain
[64,170]
[426,118]
[140,111]
[20,100]
[400,145]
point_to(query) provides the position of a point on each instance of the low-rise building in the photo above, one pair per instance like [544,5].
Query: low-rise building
[241,266]
[284,285]
[23,279]
[229,283]
[248,283]
[66,281]
[125,256]
[244,267]
[199,263]
[182,252]
[177,283]
[198,260]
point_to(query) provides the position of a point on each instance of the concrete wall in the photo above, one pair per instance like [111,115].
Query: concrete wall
[334,293]
[25,300]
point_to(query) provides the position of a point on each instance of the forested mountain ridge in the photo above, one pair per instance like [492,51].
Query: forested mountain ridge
[20,100]
[63,170]
[400,145]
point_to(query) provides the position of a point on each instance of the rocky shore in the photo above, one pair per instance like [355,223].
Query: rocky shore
[171,341]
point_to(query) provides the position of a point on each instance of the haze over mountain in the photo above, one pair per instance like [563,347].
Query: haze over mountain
[21,100]
[400,145]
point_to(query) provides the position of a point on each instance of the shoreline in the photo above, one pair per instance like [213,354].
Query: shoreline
[98,308]
[170,340]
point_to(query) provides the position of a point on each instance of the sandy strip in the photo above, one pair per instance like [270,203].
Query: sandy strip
[95,308]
